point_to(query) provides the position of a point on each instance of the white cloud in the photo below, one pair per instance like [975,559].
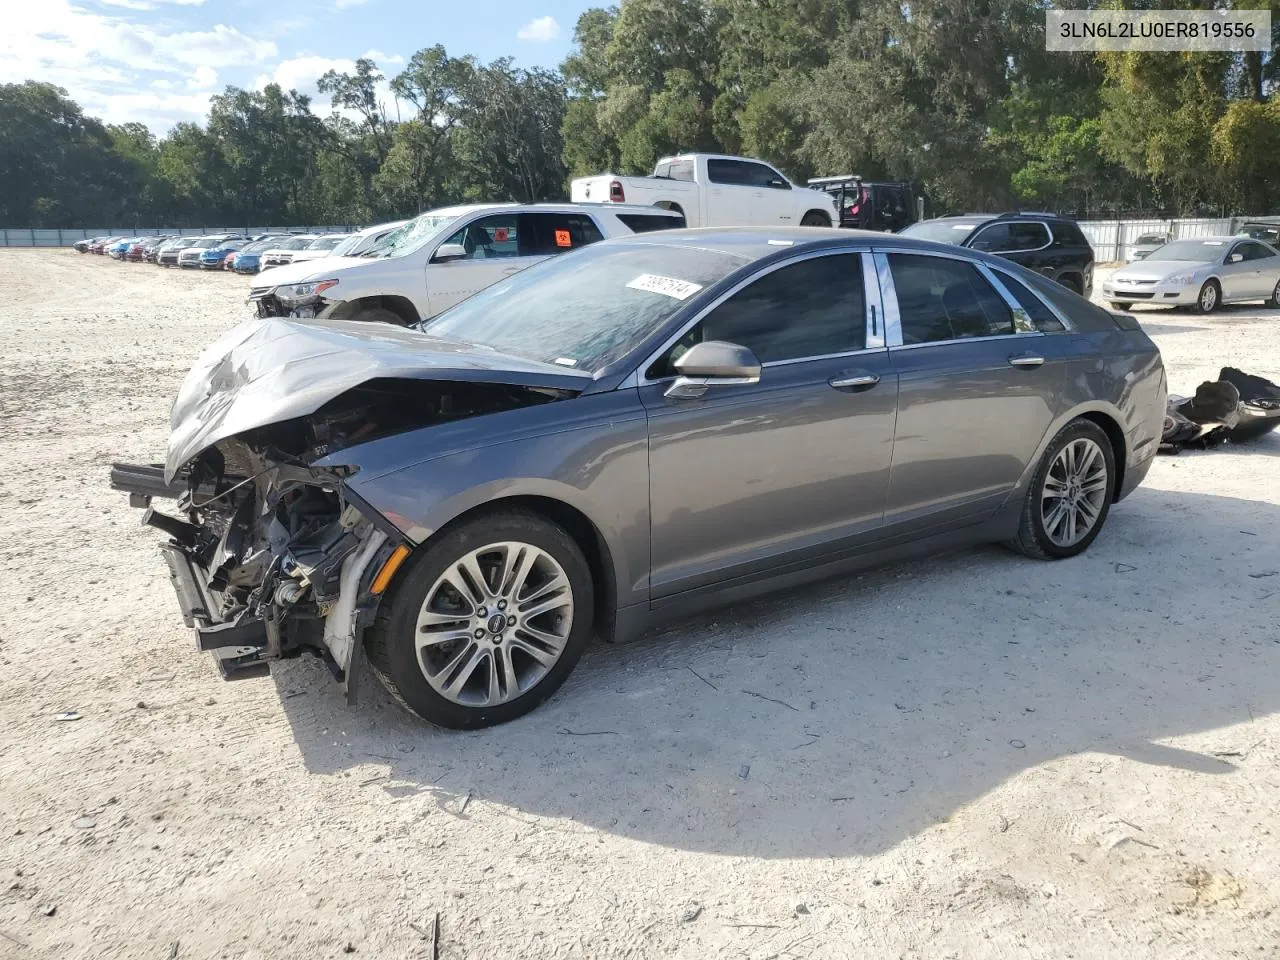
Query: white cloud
[204,78]
[380,58]
[301,73]
[541,30]
[344,4]
[104,59]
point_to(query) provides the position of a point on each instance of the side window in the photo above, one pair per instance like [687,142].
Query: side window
[992,239]
[760,175]
[808,309]
[1044,319]
[943,299]
[546,234]
[1028,236]
[1256,251]
[490,237]
[681,170]
[728,172]
[646,222]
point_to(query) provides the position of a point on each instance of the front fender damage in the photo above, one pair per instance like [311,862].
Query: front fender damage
[270,553]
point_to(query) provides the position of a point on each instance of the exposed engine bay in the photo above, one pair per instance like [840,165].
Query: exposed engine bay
[271,554]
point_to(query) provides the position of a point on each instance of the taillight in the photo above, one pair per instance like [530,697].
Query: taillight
[615,192]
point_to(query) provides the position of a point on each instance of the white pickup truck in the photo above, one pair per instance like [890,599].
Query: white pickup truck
[715,191]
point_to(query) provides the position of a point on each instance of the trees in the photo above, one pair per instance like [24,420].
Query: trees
[958,96]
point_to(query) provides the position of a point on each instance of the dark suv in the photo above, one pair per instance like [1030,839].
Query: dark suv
[1043,242]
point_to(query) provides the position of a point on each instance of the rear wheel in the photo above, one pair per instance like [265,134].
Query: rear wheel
[815,218]
[1070,494]
[1209,297]
[486,623]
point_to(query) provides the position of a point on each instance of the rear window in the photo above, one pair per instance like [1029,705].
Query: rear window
[942,231]
[675,170]
[1084,316]
[1067,234]
[647,222]
[1040,315]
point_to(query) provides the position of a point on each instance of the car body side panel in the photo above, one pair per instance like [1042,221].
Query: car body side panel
[591,453]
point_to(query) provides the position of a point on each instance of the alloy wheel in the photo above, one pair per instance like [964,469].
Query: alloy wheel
[1208,298]
[1075,490]
[494,624]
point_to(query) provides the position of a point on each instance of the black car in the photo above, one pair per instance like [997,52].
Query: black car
[1043,242]
[865,205]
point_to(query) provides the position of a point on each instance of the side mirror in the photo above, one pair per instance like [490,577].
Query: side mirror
[713,363]
[1235,258]
[449,251]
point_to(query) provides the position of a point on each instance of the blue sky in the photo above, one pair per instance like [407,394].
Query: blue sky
[159,61]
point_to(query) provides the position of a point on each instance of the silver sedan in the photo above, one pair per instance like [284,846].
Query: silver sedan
[1203,272]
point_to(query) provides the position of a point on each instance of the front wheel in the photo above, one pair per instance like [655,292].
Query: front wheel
[1070,494]
[486,623]
[1209,297]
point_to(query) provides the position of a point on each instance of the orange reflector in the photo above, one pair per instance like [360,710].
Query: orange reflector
[389,569]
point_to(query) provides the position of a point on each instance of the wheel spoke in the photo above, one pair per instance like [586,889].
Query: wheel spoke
[433,618]
[470,573]
[458,583]
[457,679]
[1053,487]
[1071,525]
[1085,462]
[546,658]
[1089,512]
[520,575]
[434,638]
[547,604]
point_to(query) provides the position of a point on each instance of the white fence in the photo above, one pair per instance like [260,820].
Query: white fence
[37,237]
[1111,239]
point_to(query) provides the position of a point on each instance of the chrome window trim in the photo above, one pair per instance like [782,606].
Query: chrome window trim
[998,253]
[893,319]
[1021,319]
[1068,326]
[637,377]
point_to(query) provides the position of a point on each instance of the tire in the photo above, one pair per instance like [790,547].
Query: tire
[1210,297]
[1275,296]
[465,662]
[1042,531]
[1122,306]
[377,315]
[815,218]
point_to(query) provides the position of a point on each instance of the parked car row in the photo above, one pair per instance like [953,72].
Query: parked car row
[234,252]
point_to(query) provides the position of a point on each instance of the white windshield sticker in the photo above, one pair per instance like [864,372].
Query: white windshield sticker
[566,361]
[1214,243]
[962,226]
[667,286]
[781,243]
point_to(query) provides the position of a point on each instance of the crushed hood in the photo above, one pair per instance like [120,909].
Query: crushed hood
[272,370]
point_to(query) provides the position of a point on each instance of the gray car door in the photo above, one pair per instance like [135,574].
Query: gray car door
[748,477]
[1265,269]
[979,386]
[1238,278]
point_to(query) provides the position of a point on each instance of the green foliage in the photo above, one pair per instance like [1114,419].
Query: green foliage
[957,96]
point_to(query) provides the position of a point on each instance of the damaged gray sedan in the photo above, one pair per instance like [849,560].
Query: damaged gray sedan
[640,429]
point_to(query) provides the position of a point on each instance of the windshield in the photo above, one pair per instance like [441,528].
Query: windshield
[942,231]
[347,245]
[325,243]
[585,309]
[293,243]
[207,244]
[1196,251]
[417,233]
[258,246]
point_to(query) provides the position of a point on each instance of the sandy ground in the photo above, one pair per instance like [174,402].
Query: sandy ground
[972,756]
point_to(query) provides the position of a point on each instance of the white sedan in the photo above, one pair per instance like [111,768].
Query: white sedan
[1203,272]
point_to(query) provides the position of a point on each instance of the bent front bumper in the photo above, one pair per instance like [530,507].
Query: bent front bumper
[289,618]
[1161,292]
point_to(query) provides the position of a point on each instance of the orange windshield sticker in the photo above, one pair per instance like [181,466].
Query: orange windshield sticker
[563,239]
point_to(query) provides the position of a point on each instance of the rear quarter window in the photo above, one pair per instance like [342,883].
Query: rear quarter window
[1084,316]
[648,222]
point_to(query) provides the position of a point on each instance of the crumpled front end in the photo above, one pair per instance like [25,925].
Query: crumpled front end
[268,557]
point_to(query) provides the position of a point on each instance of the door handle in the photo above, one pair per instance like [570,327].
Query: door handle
[1026,360]
[855,381]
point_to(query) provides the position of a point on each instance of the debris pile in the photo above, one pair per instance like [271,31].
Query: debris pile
[1237,407]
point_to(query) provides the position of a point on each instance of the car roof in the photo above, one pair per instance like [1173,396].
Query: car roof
[461,210]
[754,243]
